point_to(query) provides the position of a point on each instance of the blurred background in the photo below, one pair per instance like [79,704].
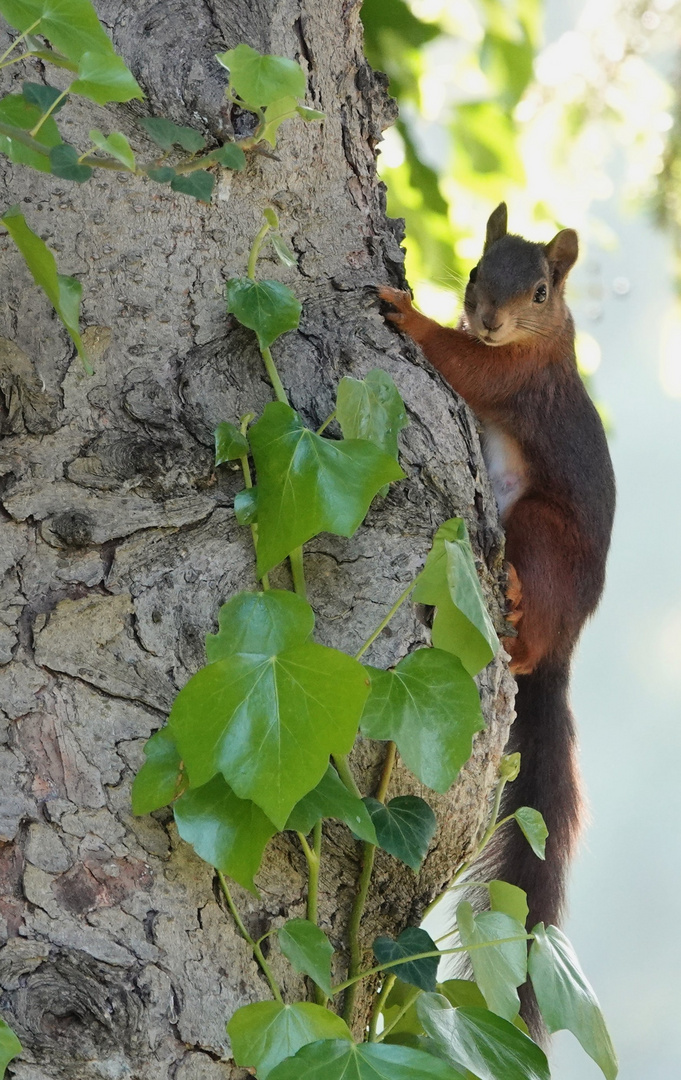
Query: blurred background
[569,110]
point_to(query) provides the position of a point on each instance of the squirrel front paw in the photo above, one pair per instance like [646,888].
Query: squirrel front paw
[399,300]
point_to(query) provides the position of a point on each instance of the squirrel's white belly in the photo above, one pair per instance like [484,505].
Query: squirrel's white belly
[505,465]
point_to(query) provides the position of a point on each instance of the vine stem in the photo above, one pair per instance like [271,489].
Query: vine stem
[34,130]
[384,622]
[411,998]
[17,41]
[327,422]
[248,481]
[380,1005]
[255,946]
[255,250]
[273,375]
[298,572]
[313,856]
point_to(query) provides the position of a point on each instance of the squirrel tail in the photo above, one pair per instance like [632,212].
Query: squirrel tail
[544,734]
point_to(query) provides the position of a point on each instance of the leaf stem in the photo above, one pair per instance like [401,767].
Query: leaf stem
[255,249]
[297,569]
[396,1019]
[246,470]
[34,130]
[384,622]
[273,374]
[255,946]
[17,41]
[388,984]
[327,422]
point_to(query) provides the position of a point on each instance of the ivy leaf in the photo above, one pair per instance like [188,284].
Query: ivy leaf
[60,290]
[533,828]
[229,443]
[565,998]
[246,505]
[308,949]
[268,307]
[72,26]
[10,1046]
[269,724]
[331,799]
[258,79]
[404,827]
[275,114]
[17,118]
[267,1032]
[479,1040]
[402,1000]
[430,707]
[372,409]
[166,134]
[308,485]
[310,114]
[199,184]
[283,250]
[103,77]
[498,969]
[64,163]
[228,832]
[230,156]
[43,95]
[462,992]
[161,778]
[334,1060]
[260,623]
[449,581]
[116,145]
[413,940]
[509,899]
[163,175]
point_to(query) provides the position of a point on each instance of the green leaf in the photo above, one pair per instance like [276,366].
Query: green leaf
[509,899]
[199,184]
[283,250]
[372,409]
[269,724]
[229,156]
[430,707]
[401,999]
[481,1041]
[228,832]
[413,940]
[498,969]
[462,992]
[60,290]
[161,779]
[9,1046]
[270,216]
[166,134]
[116,145]
[260,623]
[308,949]
[449,581]
[229,443]
[72,26]
[310,114]
[103,77]
[258,79]
[64,163]
[267,1032]
[331,799]
[268,307]
[43,96]
[565,997]
[246,506]
[308,485]
[533,828]
[333,1060]
[275,114]
[17,118]
[404,827]
[163,175]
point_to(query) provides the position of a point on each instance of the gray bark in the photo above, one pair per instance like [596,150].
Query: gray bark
[119,543]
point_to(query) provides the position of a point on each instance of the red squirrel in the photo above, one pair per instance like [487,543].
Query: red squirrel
[512,359]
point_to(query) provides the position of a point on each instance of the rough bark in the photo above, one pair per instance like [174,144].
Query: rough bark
[119,542]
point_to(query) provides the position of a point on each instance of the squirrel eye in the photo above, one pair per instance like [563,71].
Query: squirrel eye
[473,274]
[540,295]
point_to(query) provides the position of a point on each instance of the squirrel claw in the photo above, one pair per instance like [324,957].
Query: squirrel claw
[400,300]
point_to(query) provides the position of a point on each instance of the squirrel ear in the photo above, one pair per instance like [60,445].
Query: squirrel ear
[562,254]
[497,225]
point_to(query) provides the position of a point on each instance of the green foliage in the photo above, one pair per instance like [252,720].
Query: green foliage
[412,941]
[166,134]
[430,706]
[367,1061]
[500,969]
[44,96]
[229,443]
[308,950]
[565,997]
[268,307]
[331,799]
[199,184]
[371,408]
[65,163]
[509,899]
[17,117]
[9,1046]
[267,1032]
[261,623]
[533,828]
[404,827]
[260,80]
[116,145]
[161,779]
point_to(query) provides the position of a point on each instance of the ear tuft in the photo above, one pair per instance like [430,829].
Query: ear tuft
[562,254]
[497,225]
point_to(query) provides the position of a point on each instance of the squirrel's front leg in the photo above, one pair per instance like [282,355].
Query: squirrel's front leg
[406,318]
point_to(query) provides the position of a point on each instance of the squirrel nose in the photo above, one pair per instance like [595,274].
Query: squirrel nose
[488,326]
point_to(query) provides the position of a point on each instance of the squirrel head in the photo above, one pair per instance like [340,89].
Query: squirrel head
[515,293]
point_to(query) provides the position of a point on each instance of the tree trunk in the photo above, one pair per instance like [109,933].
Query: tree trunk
[119,542]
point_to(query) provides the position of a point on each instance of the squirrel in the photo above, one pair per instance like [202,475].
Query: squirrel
[512,359]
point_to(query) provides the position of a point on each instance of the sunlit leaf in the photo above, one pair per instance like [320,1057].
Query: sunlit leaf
[308,485]
[268,307]
[430,706]
[260,623]
[199,184]
[103,77]
[308,949]
[166,134]
[413,940]
[310,114]
[267,1032]
[161,778]
[462,992]
[228,832]
[509,899]
[283,251]
[404,827]
[116,145]
[371,408]
[283,109]
[479,1040]
[72,26]
[17,118]
[258,79]
[533,828]
[331,799]
[10,1046]
[565,997]
[401,1002]
[333,1060]
[498,969]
